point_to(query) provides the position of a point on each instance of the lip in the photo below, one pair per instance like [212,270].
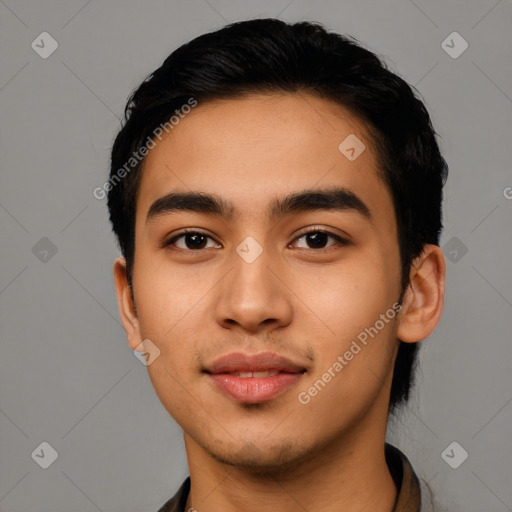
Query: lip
[240,362]
[254,389]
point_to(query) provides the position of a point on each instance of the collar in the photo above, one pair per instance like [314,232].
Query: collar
[407,484]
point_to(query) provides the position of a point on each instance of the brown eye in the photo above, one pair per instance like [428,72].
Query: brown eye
[318,239]
[190,241]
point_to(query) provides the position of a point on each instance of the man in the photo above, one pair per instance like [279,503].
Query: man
[276,194]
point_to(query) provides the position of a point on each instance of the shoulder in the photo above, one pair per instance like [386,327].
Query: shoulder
[178,501]
[428,501]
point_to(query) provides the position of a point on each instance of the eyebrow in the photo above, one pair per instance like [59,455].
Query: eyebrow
[338,199]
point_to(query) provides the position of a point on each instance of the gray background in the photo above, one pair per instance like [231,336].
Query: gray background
[67,374]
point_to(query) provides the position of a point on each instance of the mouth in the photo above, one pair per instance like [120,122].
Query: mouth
[255,374]
[254,378]
[254,387]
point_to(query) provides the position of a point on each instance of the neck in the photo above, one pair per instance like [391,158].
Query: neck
[347,474]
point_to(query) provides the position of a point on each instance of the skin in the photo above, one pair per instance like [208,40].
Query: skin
[296,299]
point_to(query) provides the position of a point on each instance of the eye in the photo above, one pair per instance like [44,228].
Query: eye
[196,240]
[317,239]
[192,240]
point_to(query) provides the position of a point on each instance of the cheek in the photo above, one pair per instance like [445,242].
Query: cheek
[166,297]
[353,366]
[347,296]
[175,393]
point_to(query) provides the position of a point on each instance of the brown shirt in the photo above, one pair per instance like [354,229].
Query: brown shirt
[408,497]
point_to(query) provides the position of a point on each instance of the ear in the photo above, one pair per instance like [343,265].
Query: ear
[423,300]
[127,308]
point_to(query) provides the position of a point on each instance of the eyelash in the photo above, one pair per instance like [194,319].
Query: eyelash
[341,241]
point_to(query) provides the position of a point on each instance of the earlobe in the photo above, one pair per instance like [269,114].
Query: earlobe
[127,309]
[424,298]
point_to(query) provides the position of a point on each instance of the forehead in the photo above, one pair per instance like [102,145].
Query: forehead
[251,150]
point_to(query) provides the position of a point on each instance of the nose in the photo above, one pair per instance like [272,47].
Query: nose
[254,296]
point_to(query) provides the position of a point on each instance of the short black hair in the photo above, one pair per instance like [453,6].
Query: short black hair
[269,55]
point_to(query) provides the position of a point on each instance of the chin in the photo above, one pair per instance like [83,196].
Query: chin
[262,460]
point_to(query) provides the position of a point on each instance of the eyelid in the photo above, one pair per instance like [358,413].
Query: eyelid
[341,241]
[320,229]
[195,231]
[312,229]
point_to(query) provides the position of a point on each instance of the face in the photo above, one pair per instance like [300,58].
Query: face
[302,280]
